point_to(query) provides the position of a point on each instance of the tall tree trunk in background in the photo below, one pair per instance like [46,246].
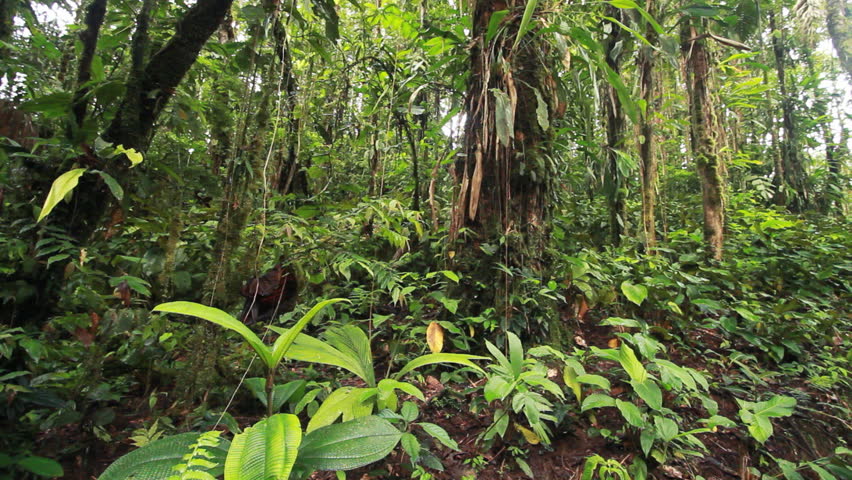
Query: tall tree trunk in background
[794,176]
[95,14]
[149,91]
[702,121]
[615,183]
[504,179]
[840,29]
[647,155]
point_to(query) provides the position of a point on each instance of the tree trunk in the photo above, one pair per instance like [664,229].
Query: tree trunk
[148,92]
[647,155]
[794,176]
[702,122]
[504,179]
[840,30]
[95,14]
[615,183]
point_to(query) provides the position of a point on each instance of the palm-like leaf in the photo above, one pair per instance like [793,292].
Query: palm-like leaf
[284,341]
[222,319]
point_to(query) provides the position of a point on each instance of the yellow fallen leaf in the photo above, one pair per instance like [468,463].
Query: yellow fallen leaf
[435,337]
[613,343]
[528,434]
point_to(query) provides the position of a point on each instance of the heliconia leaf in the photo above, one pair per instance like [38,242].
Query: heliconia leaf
[435,337]
[62,186]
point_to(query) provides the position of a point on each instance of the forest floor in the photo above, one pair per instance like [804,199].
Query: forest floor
[813,431]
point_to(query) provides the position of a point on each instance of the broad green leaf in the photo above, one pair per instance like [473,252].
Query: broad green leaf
[631,364]
[156,461]
[61,187]
[265,451]
[349,445]
[348,402]
[214,315]
[646,440]
[630,412]
[496,388]
[634,293]
[789,469]
[411,446]
[433,358]
[597,400]
[113,185]
[439,434]
[666,428]
[650,392]
[53,105]
[494,24]
[621,322]
[570,377]
[390,384]
[43,467]
[516,354]
[777,406]
[596,380]
[284,341]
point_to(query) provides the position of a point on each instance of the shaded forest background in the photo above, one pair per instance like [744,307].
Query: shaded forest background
[669,177]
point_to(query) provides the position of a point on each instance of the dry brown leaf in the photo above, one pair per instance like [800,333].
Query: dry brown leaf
[476,184]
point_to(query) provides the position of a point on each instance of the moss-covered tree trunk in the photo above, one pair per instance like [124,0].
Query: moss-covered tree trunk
[615,183]
[702,122]
[647,155]
[504,178]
